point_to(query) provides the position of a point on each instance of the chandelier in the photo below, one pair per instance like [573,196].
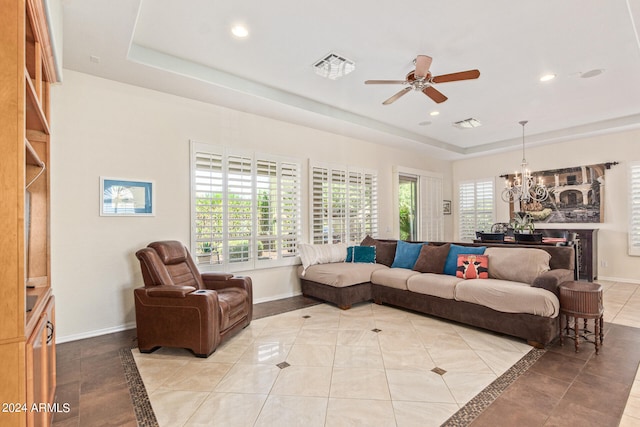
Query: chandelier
[524,188]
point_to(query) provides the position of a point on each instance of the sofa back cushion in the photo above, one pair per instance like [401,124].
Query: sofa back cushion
[517,264]
[432,258]
[385,250]
[321,254]
[406,254]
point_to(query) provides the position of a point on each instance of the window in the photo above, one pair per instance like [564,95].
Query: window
[419,192]
[344,204]
[246,208]
[634,208]
[476,207]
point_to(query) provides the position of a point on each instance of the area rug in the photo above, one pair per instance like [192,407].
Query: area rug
[463,417]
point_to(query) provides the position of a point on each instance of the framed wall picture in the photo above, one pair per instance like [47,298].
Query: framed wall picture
[446,207]
[123,197]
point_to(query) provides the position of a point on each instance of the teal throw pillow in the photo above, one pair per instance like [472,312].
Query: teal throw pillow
[451,264]
[407,254]
[365,254]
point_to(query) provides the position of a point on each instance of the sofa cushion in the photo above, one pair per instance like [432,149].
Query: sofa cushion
[340,274]
[508,297]
[361,254]
[406,254]
[321,254]
[473,267]
[438,285]
[385,251]
[432,258]
[392,277]
[451,264]
[517,264]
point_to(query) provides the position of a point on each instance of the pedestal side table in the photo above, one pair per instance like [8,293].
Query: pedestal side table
[581,300]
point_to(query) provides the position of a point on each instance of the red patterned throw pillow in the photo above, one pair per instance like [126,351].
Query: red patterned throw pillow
[473,267]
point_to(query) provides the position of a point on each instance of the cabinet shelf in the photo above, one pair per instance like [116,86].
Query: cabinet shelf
[35,116]
[32,157]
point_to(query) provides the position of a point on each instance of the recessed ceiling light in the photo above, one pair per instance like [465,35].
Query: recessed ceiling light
[547,77]
[434,113]
[240,31]
[591,73]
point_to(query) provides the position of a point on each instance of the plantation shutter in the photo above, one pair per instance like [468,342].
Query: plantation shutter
[290,199]
[246,208]
[634,209]
[209,207]
[344,204]
[431,219]
[476,206]
[240,205]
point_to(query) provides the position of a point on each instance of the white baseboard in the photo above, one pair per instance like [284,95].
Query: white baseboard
[132,325]
[96,333]
[619,279]
[277,297]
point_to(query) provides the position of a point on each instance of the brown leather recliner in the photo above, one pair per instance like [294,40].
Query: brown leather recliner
[181,307]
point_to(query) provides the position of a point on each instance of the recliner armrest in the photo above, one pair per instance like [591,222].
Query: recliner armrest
[171,291]
[216,281]
[551,280]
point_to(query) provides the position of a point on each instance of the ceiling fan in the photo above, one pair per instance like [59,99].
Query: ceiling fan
[421,80]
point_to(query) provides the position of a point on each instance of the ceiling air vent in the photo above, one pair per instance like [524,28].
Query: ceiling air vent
[334,66]
[468,124]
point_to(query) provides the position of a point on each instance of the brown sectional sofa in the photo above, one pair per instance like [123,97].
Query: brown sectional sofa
[526,310]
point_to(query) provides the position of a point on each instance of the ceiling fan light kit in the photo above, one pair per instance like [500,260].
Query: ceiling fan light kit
[423,81]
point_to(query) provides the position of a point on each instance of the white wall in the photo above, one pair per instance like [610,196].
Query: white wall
[614,261]
[104,128]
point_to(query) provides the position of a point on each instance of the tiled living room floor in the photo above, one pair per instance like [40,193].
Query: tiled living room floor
[562,388]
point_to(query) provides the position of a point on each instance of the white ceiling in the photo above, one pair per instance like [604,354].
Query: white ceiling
[185,48]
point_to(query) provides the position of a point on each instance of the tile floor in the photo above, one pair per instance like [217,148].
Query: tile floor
[557,389]
[371,365]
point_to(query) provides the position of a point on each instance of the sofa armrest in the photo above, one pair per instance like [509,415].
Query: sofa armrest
[551,280]
[171,291]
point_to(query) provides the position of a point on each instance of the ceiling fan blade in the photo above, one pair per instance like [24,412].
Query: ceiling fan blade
[397,95]
[434,94]
[462,75]
[423,62]
[384,82]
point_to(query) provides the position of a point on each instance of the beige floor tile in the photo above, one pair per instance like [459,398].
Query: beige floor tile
[195,376]
[418,386]
[399,339]
[156,371]
[358,412]
[357,337]
[464,386]
[412,358]
[311,355]
[175,407]
[359,383]
[422,414]
[317,336]
[455,360]
[249,379]
[228,409]
[303,381]
[293,411]
[350,356]
[499,360]
[356,322]
[268,353]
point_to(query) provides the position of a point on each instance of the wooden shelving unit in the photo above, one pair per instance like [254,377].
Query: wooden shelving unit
[27,313]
